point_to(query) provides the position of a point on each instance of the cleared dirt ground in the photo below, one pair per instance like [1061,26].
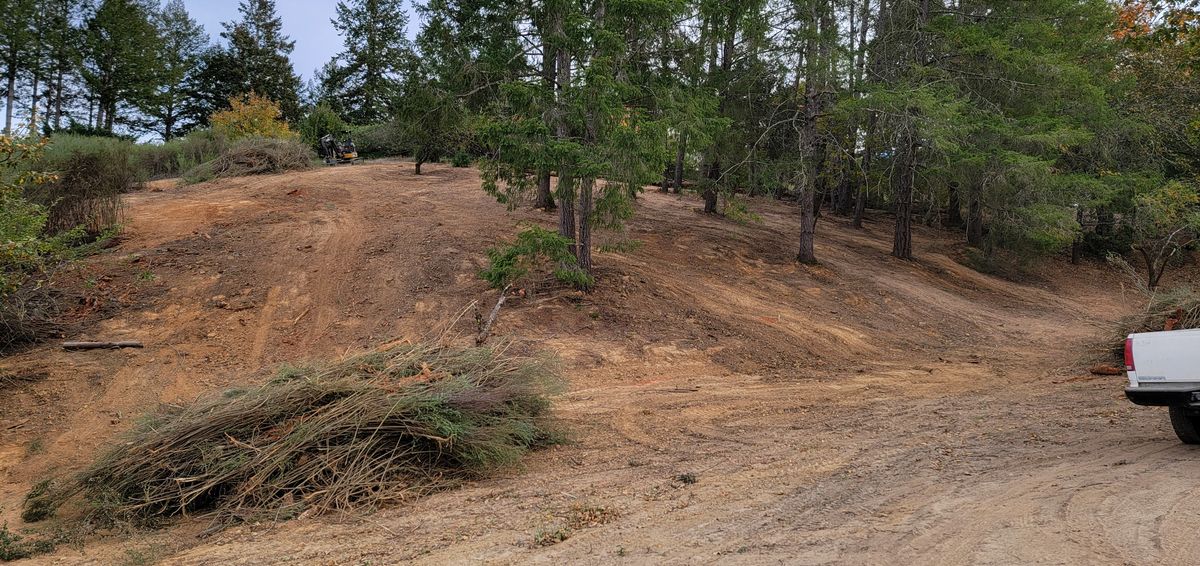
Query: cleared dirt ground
[864,411]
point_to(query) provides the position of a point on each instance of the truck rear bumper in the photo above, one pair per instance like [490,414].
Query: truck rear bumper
[1165,394]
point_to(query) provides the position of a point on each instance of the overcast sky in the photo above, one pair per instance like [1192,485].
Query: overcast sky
[307,22]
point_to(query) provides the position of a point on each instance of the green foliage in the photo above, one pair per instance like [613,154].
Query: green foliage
[432,122]
[257,60]
[461,159]
[1166,221]
[91,174]
[181,41]
[361,81]
[381,140]
[535,247]
[17,547]
[1039,229]
[119,54]
[319,122]
[171,159]
[27,254]
[252,116]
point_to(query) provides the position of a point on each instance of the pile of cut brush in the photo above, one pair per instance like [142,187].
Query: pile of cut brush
[1174,309]
[376,428]
[254,156]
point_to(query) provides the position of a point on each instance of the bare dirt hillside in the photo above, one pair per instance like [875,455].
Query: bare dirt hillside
[727,405]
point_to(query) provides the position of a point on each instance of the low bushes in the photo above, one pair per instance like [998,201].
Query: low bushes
[376,428]
[255,156]
[28,254]
[381,140]
[252,116]
[91,173]
[180,154]
[321,121]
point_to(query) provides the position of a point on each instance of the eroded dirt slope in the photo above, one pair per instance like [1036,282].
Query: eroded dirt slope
[865,410]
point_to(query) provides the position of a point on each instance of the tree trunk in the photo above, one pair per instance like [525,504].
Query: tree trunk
[954,217]
[585,225]
[680,153]
[58,98]
[11,75]
[565,189]
[860,202]
[903,192]
[33,103]
[417,167]
[1077,245]
[544,199]
[710,187]
[975,219]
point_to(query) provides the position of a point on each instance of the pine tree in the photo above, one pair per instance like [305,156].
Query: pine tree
[182,41]
[120,45]
[16,32]
[364,79]
[60,40]
[257,59]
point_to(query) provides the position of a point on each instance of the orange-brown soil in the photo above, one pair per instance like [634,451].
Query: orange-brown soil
[862,411]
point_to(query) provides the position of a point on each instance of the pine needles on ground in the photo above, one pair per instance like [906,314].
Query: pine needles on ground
[377,428]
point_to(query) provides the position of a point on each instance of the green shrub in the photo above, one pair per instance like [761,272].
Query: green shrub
[178,155]
[461,159]
[381,140]
[15,547]
[27,254]
[320,122]
[91,174]
[535,247]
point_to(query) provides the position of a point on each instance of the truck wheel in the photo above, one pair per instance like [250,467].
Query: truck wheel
[1186,423]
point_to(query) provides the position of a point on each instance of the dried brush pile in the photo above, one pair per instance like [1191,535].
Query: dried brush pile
[1176,309]
[376,428]
[28,314]
[255,156]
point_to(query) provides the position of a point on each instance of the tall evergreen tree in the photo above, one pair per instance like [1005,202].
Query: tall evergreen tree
[182,41]
[62,58]
[363,79]
[119,62]
[16,32]
[257,59]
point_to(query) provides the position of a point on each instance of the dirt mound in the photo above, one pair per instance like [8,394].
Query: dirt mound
[826,413]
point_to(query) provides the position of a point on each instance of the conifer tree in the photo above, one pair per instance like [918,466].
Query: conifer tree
[257,60]
[120,48]
[363,80]
[181,42]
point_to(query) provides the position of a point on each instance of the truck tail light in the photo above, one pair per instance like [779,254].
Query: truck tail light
[1129,355]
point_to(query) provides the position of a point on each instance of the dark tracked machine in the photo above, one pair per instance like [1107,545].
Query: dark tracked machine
[336,152]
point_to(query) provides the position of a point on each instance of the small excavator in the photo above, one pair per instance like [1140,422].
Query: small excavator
[338,152]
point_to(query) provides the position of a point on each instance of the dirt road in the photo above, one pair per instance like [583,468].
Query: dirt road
[726,404]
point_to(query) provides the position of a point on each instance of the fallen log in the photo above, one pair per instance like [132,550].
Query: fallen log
[76,346]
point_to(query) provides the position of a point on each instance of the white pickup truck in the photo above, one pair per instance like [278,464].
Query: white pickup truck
[1164,371]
